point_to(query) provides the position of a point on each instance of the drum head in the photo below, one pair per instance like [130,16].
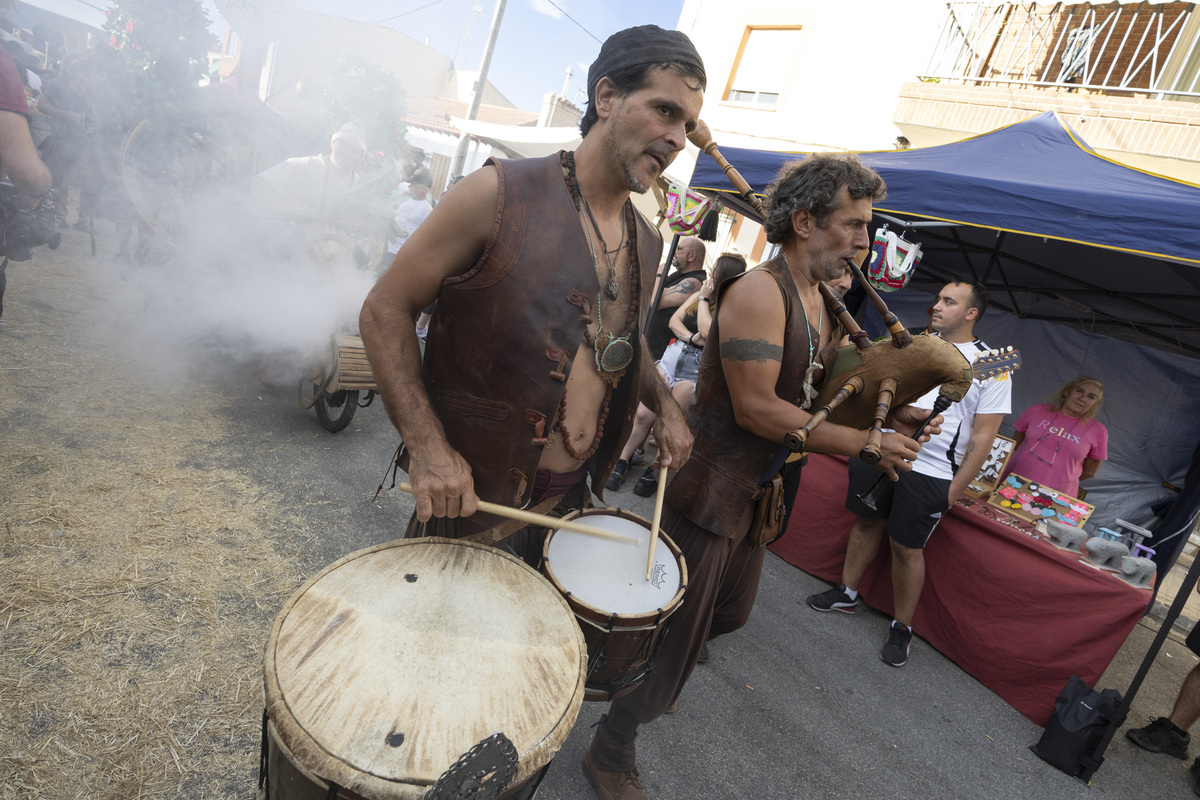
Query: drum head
[394,661]
[611,575]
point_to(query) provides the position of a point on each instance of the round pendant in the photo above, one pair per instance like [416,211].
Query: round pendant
[616,356]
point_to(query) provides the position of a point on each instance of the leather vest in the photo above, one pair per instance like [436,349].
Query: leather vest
[713,489]
[504,337]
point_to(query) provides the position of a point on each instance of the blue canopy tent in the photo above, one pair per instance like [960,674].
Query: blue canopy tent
[1025,198]
[1061,236]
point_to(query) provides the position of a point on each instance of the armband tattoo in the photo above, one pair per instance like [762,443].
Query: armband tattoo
[758,350]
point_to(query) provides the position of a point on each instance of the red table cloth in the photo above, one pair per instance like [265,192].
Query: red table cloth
[1015,612]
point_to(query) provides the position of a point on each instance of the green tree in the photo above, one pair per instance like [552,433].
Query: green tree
[158,51]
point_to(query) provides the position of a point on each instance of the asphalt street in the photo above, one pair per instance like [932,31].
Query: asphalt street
[795,705]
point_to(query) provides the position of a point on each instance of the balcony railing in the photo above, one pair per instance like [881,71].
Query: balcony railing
[1145,48]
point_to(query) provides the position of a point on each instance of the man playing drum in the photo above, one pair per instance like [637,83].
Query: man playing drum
[542,271]
[771,324]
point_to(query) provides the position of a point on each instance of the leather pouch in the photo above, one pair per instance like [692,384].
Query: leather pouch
[769,512]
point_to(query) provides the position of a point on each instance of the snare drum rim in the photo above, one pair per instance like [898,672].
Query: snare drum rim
[311,757]
[599,615]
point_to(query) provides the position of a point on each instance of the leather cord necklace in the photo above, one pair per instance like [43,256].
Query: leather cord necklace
[616,354]
[814,364]
[613,352]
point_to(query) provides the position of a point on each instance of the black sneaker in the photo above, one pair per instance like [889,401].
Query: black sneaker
[1160,736]
[618,476]
[647,485]
[834,599]
[895,649]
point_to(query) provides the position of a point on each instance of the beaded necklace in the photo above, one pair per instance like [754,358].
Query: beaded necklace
[613,353]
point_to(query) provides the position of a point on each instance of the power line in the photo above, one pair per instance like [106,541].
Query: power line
[568,16]
[406,13]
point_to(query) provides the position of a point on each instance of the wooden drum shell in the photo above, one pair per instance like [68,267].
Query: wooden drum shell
[621,646]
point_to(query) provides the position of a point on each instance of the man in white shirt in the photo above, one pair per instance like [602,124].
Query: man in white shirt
[413,211]
[910,508]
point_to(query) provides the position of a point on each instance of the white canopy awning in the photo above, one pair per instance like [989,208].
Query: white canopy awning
[525,141]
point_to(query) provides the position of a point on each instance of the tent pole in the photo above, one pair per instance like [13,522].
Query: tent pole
[1185,590]
[658,285]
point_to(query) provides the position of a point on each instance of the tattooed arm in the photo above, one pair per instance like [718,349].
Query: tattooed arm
[675,296]
[983,432]
[752,319]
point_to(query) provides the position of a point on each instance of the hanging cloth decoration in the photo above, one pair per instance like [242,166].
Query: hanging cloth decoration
[686,209]
[893,260]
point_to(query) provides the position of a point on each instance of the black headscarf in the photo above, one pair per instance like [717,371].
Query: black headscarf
[640,46]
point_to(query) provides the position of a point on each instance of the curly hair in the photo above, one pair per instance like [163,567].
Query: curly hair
[814,183]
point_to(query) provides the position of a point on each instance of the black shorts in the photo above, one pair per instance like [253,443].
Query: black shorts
[913,505]
[1193,639]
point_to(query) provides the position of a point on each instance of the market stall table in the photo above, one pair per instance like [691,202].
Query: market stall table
[1015,612]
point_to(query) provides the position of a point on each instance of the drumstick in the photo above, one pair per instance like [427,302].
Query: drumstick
[541,519]
[658,503]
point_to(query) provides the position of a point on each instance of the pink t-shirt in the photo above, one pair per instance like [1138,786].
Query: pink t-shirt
[1063,440]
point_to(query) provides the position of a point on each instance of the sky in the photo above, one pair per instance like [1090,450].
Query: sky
[538,41]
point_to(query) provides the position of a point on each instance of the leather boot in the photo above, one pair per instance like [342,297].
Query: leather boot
[612,785]
[620,784]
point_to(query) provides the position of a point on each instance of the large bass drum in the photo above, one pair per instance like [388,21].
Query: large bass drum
[395,661]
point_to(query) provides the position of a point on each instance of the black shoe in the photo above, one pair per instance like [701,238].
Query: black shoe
[618,476]
[1194,774]
[834,599]
[1160,736]
[703,657]
[647,485]
[895,649]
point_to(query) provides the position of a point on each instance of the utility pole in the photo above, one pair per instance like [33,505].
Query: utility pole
[460,156]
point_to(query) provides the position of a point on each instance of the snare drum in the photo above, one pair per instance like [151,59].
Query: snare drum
[622,615]
[396,660]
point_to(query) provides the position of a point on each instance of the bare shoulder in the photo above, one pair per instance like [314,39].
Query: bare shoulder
[754,292]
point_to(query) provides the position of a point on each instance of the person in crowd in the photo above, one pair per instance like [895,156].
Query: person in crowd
[67,100]
[313,185]
[413,211]
[1060,443]
[541,268]
[679,367]
[19,159]
[910,509]
[1170,735]
[677,288]
[770,324]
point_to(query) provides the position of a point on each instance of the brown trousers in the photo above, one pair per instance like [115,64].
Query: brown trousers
[723,576]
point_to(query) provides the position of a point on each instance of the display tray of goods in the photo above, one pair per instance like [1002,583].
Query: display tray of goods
[1036,503]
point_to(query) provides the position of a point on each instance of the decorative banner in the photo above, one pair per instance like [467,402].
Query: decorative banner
[686,209]
[892,261]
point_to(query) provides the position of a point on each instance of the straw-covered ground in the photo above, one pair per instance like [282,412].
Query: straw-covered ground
[139,581]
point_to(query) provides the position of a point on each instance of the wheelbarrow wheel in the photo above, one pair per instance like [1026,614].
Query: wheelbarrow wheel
[336,409]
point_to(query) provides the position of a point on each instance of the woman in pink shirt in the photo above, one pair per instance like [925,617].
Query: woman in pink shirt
[1060,444]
